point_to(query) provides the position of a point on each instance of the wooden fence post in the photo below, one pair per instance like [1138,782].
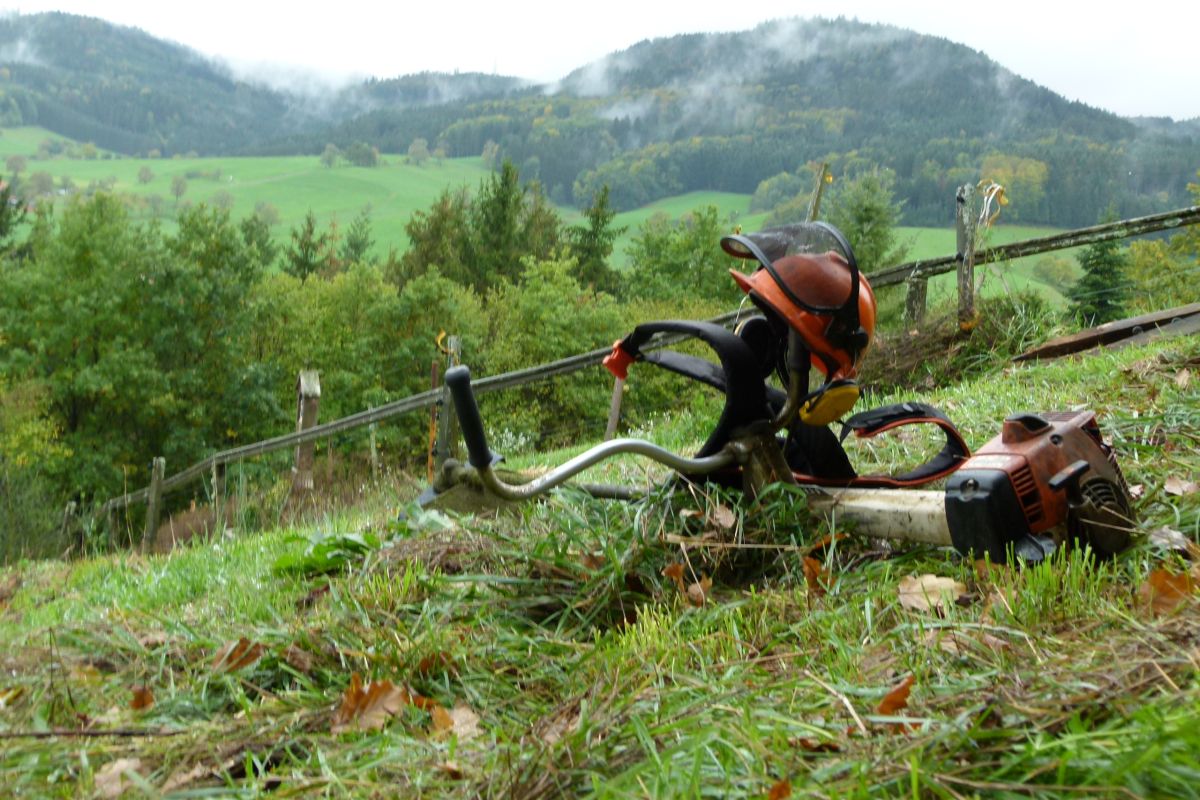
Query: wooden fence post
[219,501]
[914,301]
[447,438]
[158,469]
[308,396]
[614,409]
[964,225]
[65,531]
[374,450]
[814,202]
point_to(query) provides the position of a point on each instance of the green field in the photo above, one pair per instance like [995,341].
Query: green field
[394,190]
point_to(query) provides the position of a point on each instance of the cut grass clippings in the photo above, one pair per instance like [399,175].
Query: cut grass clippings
[560,645]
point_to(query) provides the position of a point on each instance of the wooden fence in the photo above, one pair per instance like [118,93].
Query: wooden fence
[915,274]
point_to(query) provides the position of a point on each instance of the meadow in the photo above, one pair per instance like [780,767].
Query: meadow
[393,191]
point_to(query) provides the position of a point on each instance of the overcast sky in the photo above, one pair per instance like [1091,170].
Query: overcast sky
[1132,58]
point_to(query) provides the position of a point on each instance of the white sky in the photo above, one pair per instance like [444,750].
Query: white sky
[1131,58]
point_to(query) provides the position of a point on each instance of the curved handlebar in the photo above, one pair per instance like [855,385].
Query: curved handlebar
[481,457]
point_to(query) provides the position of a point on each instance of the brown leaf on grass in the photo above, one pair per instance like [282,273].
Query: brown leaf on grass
[930,592]
[1171,539]
[298,659]
[1178,487]
[723,518]
[896,699]
[823,544]
[435,663]
[1164,591]
[1183,378]
[452,770]
[675,573]
[238,655]
[368,708]
[1137,491]
[185,777]
[591,562]
[697,593]
[143,698]
[8,588]
[814,575]
[815,745]
[312,597]
[781,790]
[111,781]
[10,696]
[460,720]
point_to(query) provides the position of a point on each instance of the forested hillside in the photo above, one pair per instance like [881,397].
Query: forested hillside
[694,112]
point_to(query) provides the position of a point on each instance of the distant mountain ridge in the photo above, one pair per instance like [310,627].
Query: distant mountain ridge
[715,111]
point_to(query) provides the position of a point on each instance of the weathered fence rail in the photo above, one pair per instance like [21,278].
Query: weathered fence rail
[415,402]
[1059,241]
[915,273]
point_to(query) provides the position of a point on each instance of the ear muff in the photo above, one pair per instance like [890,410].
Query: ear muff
[829,403]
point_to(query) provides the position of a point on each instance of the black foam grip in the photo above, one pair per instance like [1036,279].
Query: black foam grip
[458,379]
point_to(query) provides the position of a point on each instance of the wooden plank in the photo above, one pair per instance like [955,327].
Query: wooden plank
[1108,333]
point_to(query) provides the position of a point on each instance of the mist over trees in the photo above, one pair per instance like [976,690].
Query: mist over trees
[694,112]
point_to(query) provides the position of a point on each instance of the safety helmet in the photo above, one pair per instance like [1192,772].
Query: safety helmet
[808,278]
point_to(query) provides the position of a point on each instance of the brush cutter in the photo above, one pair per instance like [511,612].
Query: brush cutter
[1045,480]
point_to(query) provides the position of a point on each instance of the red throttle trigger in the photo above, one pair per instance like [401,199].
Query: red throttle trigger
[617,362]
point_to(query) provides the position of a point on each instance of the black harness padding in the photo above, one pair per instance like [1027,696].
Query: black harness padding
[866,424]
[738,375]
[814,453]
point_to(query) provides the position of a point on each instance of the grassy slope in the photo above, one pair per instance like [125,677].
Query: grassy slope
[591,674]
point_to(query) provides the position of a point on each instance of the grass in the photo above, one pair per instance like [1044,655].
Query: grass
[591,673]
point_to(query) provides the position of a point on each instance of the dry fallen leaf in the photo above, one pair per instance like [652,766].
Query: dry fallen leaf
[813,575]
[111,781]
[143,698]
[1171,539]
[1183,378]
[185,777]
[591,562]
[298,659]
[238,655]
[368,708]
[780,791]
[929,592]
[896,699]
[697,593]
[460,721]
[815,745]
[675,573]
[825,542]
[10,696]
[452,770]
[1179,487]
[1137,491]
[9,588]
[723,518]
[435,663]
[1164,591]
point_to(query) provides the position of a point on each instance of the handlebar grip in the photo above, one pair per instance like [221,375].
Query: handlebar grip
[458,380]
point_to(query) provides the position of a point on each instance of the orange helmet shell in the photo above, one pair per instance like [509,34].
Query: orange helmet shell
[821,281]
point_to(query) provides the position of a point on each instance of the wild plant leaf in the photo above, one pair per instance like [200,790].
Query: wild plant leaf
[329,552]
[675,573]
